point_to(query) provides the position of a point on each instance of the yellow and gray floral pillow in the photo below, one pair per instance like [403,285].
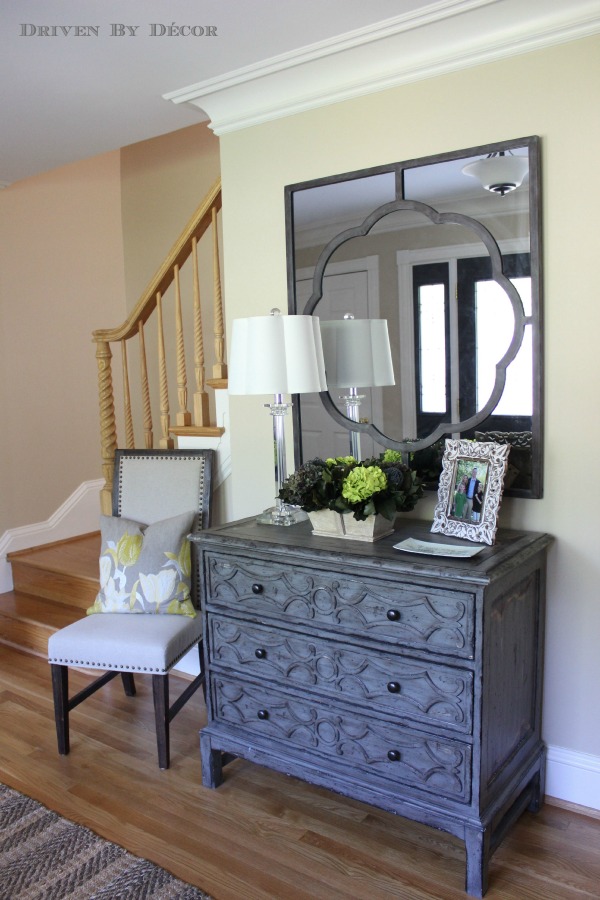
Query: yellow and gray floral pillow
[145,568]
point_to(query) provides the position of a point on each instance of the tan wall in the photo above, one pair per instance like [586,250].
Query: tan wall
[162,182]
[77,247]
[547,93]
[61,274]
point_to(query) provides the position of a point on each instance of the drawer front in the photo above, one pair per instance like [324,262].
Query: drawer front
[421,691]
[377,749]
[400,614]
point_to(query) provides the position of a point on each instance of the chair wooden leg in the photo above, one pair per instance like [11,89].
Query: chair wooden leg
[128,683]
[160,690]
[60,689]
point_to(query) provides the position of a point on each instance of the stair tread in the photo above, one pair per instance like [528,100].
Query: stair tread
[78,557]
[38,610]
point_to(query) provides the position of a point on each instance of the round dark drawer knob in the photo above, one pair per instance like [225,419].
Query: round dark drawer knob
[393,615]
[260,653]
[393,687]
[257,588]
[263,714]
[394,755]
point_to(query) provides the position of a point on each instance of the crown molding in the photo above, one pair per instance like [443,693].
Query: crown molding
[441,38]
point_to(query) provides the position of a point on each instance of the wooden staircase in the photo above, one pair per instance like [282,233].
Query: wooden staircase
[53,586]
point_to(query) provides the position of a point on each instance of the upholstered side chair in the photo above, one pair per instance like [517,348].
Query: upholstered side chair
[153,488]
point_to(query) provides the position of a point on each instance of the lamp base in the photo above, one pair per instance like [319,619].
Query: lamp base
[282,515]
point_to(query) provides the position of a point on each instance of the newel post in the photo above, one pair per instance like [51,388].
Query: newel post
[108,431]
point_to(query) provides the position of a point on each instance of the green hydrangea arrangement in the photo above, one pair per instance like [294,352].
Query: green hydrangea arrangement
[382,485]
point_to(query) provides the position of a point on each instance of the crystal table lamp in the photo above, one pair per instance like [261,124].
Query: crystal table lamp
[277,355]
[357,354]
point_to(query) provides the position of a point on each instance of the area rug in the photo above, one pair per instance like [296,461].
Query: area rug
[46,857]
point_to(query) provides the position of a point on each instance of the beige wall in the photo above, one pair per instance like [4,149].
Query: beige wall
[162,183]
[551,93]
[61,276]
[77,246]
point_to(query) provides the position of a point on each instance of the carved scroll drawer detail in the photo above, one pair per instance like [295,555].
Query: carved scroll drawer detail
[379,749]
[421,691]
[391,612]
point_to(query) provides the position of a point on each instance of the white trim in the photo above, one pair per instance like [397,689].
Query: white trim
[77,515]
[457,251]
[405,260]
[221,445]
[387,54]
[321,49]
[573,776]
[368,264]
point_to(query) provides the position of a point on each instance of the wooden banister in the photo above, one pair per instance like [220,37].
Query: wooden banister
[170,346]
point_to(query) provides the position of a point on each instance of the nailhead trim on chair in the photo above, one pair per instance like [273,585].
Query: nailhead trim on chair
[199,502]
[200,507]
[61,661]
[86,663]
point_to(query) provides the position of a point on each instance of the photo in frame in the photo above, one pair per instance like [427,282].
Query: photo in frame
[470,489]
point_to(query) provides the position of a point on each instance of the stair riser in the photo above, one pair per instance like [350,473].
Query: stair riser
[29,636]
[69,589]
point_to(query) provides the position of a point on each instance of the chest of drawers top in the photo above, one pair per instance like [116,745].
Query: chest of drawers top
[334,557]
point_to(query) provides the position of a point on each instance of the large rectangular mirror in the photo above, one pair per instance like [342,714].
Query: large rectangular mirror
[446,250]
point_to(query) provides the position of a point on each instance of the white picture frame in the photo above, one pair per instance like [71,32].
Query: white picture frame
[470,490]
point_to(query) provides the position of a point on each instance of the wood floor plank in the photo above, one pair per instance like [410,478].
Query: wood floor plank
[262,835]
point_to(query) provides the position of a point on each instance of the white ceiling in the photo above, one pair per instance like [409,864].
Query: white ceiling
[66,97]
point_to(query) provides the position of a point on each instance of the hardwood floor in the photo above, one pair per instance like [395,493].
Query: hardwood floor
[261,835]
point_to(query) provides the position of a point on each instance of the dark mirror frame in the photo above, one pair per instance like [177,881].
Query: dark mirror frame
[434,441]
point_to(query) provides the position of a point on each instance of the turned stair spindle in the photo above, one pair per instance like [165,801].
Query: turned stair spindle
[129,436]
[183,417]
[148,432]
[166,442]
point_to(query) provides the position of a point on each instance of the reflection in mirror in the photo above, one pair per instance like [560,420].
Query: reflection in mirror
[454,270]
[356,352]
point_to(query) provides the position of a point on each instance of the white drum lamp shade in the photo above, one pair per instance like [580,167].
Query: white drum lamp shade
[357,353]
[276,355]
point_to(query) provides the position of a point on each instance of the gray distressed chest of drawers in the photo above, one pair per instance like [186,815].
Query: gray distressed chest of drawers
[412,683]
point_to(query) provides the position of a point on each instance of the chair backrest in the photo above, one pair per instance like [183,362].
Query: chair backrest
[150,485]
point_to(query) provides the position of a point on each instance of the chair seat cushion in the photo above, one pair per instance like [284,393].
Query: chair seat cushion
[144,643]
[145,568]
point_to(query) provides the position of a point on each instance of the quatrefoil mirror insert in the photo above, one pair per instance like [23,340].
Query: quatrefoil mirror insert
[451,259]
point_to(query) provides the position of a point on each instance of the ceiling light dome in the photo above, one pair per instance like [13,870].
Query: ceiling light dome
[500,172]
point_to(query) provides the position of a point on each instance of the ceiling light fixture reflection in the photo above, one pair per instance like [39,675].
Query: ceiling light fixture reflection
[500,172]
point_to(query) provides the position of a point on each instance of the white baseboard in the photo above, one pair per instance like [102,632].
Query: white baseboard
[79,514]
[573,777]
